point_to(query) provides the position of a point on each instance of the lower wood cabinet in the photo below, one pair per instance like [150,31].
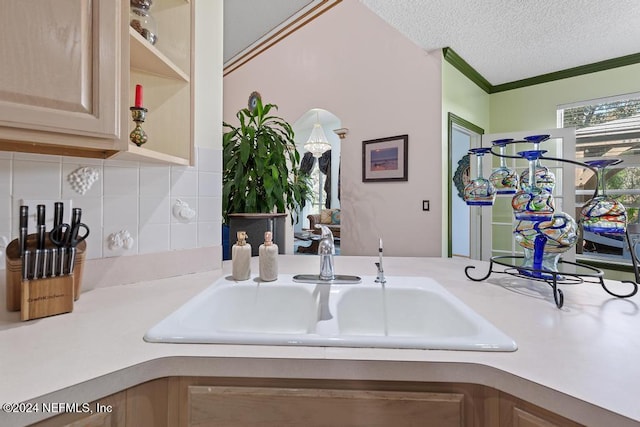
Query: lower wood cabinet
[110,414]
[515,412]
[264,406]
[191,401]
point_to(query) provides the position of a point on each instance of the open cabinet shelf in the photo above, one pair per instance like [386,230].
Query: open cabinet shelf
[148,59]
[164,71]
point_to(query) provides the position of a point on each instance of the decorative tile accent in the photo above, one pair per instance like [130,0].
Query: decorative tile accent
[120,240]
[83,178]
[183,212]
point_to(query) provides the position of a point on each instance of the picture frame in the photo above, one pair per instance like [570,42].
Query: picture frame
[385,159]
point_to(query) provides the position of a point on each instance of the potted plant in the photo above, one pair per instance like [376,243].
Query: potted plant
[260,172]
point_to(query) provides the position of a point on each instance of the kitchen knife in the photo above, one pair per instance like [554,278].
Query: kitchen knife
[71,259]
[37,264]
[41,226]
[26,263]
[58,217]
[46,261]
[24,220]
[60,262]
[76,216]
[54,262]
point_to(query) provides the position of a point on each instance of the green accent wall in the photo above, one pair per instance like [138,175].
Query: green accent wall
[534,107]
[467,104]
[532,103]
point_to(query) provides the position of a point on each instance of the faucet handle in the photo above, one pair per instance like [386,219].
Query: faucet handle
[325,231]
[326,246]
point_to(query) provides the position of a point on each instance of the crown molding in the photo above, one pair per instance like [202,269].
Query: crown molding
[461,65]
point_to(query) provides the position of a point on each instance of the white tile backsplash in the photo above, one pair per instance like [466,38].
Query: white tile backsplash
[209,209]
[5,177]
[154,210]
[32,179]
[129,195]
[184,183]
[155,181]
[119,211]
[209,233]
[184,236]
[120,181]
[208,184]
[153,238]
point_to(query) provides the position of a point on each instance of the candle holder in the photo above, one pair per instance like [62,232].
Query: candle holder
[138,136]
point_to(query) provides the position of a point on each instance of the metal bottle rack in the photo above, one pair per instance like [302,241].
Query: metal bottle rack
[575,273]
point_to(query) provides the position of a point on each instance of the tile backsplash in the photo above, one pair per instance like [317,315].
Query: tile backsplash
[160,207]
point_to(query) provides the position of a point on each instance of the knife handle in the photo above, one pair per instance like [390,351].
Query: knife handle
[41,214]
[58,218]
[24,216]
[76,216]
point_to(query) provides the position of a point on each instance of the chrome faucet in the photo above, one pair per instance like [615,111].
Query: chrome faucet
[326,250]
[380,278]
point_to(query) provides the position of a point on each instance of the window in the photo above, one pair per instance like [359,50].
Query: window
[607,128]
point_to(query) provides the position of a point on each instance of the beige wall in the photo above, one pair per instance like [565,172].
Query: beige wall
[378,84]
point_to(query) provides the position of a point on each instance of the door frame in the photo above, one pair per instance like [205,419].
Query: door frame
[452,120]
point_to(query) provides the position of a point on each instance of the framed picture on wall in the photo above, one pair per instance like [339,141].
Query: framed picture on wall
[385,159]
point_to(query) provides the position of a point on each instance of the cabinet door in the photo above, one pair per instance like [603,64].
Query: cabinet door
[105,412]
[60,68]
[518,413]
[265,406]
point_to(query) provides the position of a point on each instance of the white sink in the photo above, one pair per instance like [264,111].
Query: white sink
[407,312]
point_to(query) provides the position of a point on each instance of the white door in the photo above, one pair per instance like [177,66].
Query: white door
[496,229]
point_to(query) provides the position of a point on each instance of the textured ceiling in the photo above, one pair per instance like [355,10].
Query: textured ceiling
[509,40]
[504,40]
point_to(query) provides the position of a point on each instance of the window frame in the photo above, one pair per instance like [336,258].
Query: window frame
[627,131]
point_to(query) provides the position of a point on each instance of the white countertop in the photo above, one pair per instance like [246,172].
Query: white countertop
[581,361]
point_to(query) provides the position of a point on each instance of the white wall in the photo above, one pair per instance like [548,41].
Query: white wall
[350,62]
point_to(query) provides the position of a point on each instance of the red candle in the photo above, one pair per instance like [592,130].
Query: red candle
[138,96]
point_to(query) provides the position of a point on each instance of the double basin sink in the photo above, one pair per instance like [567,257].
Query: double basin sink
[406,312]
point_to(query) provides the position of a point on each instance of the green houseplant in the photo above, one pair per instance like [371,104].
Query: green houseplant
[260,172]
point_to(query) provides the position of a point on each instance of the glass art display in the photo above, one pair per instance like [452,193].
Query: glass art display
[479,191]
[503,178]
[603,214]
[544,233]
